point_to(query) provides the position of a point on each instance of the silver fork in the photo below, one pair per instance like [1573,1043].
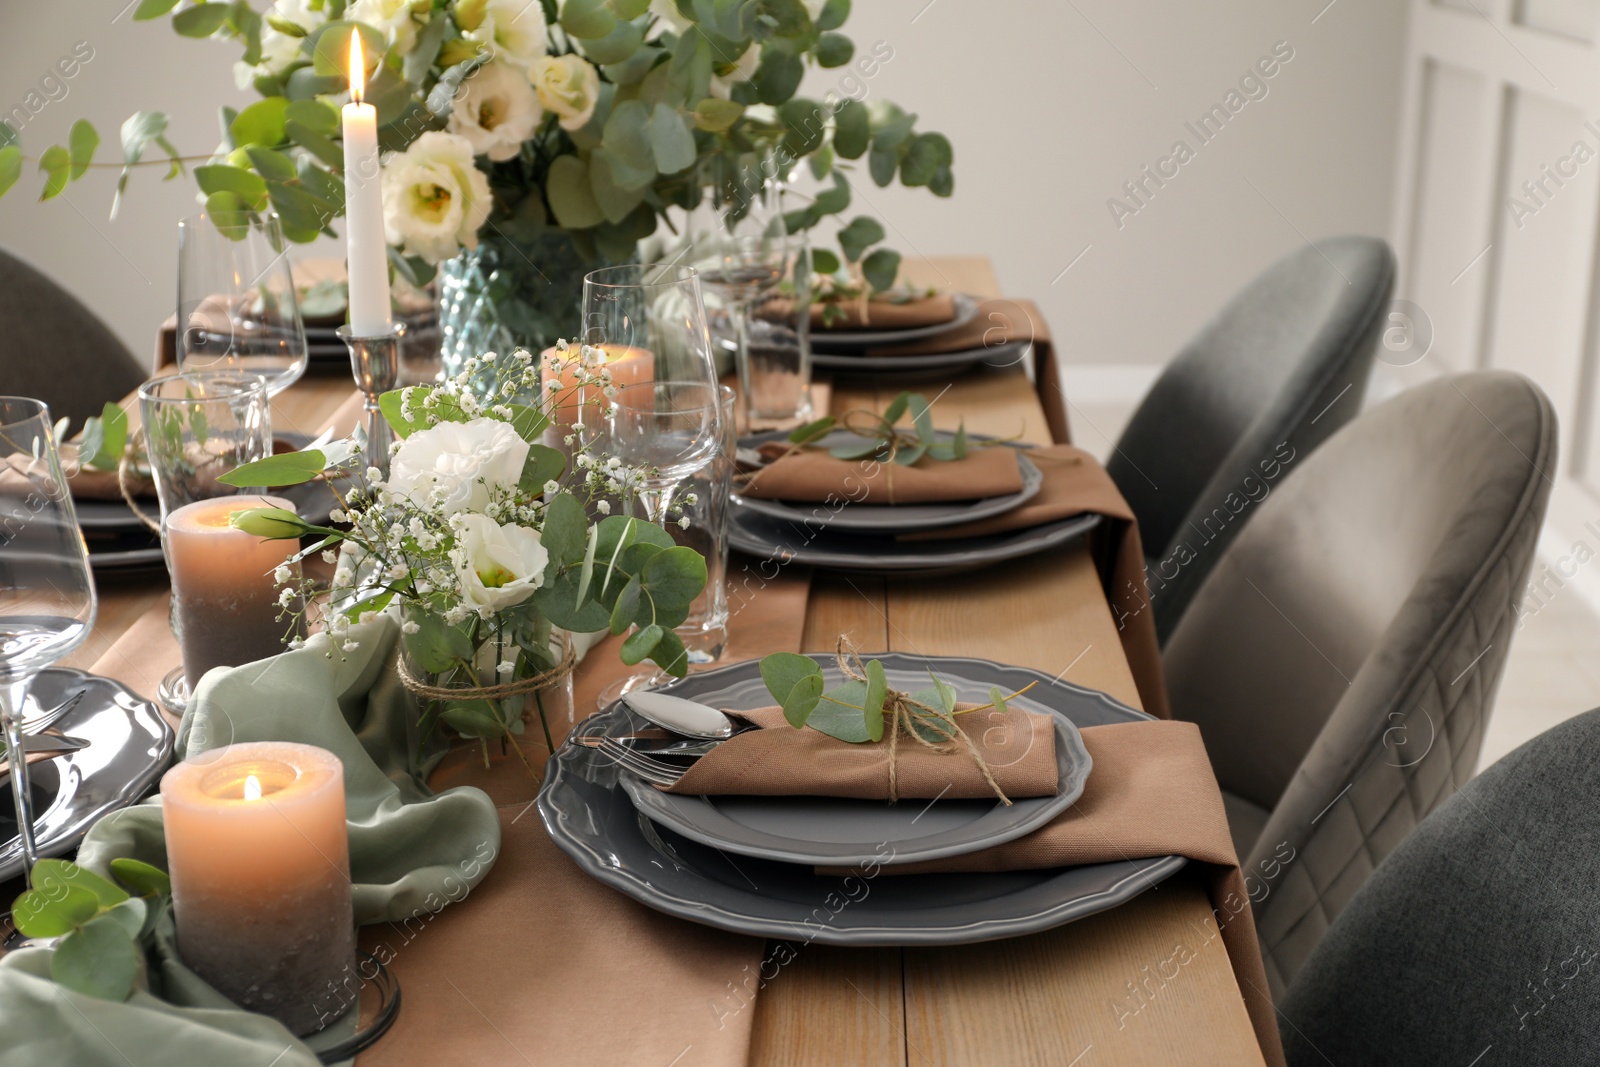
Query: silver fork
[45,718]
[657,772]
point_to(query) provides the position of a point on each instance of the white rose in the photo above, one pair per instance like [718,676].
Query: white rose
[569,86]
[513,30]
[500,565]
[496,111]
[464,459]
[391,17]
[434,197]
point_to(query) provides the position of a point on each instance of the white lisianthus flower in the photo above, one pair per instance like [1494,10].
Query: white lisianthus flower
[461,463]
[434,198]
[391,17]
[279,49]
[513,30]
[743,69]
[568,85]
[667,12]
[496,111]
[502,565]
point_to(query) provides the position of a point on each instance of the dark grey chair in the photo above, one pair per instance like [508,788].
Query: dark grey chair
[1269,379]
[1478,940]
[1342,660]
[55,350]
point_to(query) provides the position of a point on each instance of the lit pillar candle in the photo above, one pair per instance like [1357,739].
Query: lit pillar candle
[259,856]
[629,365]
[367,253]
[224,597]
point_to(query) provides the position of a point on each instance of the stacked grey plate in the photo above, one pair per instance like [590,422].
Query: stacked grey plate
[746,864]
[845,351]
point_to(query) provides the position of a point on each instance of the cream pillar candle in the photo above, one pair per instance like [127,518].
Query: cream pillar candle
[224,598]
[367,252]
[259,855]
[629,365]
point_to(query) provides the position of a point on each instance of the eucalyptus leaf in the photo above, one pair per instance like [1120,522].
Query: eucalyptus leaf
[641,643]
[998,699]
[627,611]
[801,702]
[99,960]
[201,20]
[390,404]
[897,407]
[261,123]
[778,75]
[48,874]
[104,438]
[473,718]
[872,705]
[782,671]
[670,655]
[544,464]
[152,9]
[840,713]
[436,646]
[288,468]
[824,261]
[56,165]
[716,116]
[130,914]
[862,231]
[834,50]
[82,140]
[812,431]
[566,530]
[587,18]
[881,268]
[671,140]
[567,186]
[54,911]
[856,451]
[10,167]
[852,129]
[833,14]
[316,115]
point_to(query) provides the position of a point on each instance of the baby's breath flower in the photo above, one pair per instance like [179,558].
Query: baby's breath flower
[409,627]
[603,507]
[281,575]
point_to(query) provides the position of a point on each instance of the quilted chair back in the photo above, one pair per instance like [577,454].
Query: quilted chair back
[1342,659]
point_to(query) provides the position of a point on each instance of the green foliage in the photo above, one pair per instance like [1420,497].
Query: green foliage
[104,438]
[883,440]
[286,468]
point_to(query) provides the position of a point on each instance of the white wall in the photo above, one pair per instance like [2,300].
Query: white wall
[1051,105]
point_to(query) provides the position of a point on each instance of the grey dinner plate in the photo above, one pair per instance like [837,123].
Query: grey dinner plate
[1004,355]
[591,818]
[839,832]
[814,544]
[890,519]
[130,745]
[855,340]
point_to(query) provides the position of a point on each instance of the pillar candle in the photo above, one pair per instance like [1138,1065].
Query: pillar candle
[259,855]
[367,253]
[224,598]
[629,365]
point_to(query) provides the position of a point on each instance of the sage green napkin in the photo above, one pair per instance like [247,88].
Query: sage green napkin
[411,852]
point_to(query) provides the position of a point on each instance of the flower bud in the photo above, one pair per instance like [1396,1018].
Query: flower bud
[273,523]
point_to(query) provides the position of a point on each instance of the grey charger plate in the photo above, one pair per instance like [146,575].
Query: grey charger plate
[130,745]
[887,519]
[591,819]
[839,832]
[811,543]
[1004,355]
[853,340]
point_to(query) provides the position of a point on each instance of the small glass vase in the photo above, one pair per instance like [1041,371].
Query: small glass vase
[453,670]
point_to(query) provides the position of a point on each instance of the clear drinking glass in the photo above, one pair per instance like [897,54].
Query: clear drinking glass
[47,598]
[198,427]
[238,309]
[704,502]
[651,320]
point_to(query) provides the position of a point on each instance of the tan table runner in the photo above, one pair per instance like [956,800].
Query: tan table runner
[1152,793]
[1075,482]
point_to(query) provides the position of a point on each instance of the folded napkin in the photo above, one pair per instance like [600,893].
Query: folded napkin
[411,853]
[813,476]
[887,314]
[778,760]
[1152,794]
[1075,483]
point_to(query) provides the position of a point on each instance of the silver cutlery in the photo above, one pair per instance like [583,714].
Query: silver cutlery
[45,718]
[687,717]
[653,770]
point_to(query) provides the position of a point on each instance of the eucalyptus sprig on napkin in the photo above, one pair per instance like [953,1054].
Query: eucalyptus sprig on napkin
[100,924]
[886,441]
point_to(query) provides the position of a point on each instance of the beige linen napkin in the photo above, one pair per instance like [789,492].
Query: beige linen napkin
[1075,483]
[778,760]
[886,314]
[813,476]
[1151,793]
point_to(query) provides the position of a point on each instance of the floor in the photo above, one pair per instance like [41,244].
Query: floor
[1553,672]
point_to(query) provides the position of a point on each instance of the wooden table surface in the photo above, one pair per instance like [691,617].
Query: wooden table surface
[1104,990]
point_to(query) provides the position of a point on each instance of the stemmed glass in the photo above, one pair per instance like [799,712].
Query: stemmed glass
[238,309]
[47,598]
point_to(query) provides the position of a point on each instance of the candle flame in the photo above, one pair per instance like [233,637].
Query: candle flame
[358,68]
[252,787]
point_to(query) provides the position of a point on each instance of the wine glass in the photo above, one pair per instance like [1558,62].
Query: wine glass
[47,599]
[238,309]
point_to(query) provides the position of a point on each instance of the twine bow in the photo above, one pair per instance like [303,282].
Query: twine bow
[908,715]
[519,687]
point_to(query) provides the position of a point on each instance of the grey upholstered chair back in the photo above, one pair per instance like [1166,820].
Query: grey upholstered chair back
[1280,369]
[52,348]
[1342,659]
[1478,933]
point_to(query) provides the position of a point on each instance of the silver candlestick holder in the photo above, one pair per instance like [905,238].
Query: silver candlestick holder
[375,362]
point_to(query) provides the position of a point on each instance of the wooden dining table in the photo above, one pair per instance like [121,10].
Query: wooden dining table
[1094,992]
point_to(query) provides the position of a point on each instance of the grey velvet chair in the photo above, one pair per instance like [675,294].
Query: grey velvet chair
[1343,657]
[52,348]
[1475,941]
[1281,368]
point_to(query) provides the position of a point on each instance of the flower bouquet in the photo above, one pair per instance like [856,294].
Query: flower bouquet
[532,141]
[479,539]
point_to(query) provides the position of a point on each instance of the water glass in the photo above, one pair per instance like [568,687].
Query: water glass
[198,427]
[238,310]
[650,318]
[705,504]
[47,596]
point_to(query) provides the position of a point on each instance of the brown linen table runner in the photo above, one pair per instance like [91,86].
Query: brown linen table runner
[1074,483]
[813,476]
[778,760]
[886,314]
[1151,793]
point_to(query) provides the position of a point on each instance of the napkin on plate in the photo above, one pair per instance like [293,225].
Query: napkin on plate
[778,760]
[1075,483]
[813,476]
[887,314]
[1152,794]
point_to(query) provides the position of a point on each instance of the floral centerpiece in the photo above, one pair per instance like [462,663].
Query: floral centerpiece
[533,140]
[479,539]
